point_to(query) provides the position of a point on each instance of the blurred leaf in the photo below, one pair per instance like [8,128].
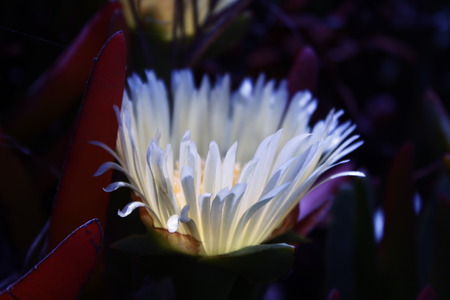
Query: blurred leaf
[399,260]
[439,120]
[427,293]
[447,162]
[231,35]
[334,295]
[351,258]
[340,251]
[64,272]
[426,232]
[19,198]
[440,277]
[365,260]
[57,89]
[80,195]
[305,71]
[212,30]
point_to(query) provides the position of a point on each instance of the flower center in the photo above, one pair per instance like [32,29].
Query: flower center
[177,187]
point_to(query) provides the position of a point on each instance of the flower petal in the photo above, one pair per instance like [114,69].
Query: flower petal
[128,209]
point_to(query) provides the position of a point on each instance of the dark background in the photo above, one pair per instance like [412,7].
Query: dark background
[383,62]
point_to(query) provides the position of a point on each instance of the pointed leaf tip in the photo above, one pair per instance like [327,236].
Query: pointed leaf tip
[73,205]
[64,272]
[304,73]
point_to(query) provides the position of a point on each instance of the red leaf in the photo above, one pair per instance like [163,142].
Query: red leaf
[304,73]
[81,197]
[59,87]
[64,272]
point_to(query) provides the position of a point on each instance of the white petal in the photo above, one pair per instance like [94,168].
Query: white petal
[212,172]
[128,209]
[172,223]
[184,218]
[108,166]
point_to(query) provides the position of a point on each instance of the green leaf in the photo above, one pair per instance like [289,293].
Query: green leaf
[440,268]
[257,263]
[290,237]
[365,260]
[151,243]
[235,32]
[399,259]
[235,275]
[340,249]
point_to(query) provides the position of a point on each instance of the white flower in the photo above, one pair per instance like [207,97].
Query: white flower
[225,168]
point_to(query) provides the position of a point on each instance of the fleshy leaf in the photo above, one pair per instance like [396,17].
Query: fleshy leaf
[264,262]
[259,263]
[399,245]
[340,264]
[304,73]
[351,253]
[150,243]
[365,256]
[440,215]
[64,272]
[81,196]
[437,121]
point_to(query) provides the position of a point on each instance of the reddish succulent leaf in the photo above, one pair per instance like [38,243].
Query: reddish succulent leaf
[398,247]
[64,272]
[427,293]
[6,296]
[304,73]
[81,197]
[57,89]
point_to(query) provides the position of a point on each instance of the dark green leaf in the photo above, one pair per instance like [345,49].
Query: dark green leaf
[399,260]
[257,263]
[365,261]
